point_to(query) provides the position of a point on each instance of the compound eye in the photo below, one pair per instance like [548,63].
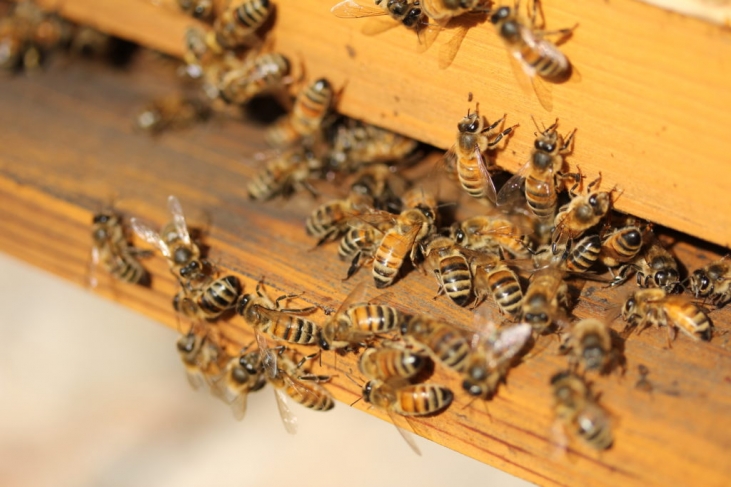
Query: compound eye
[182,255]
[592,200]
[661,277]
[474,126]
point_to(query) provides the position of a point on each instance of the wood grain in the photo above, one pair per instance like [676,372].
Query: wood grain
[68,147]
[652,106]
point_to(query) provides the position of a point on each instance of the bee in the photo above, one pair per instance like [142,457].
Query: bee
[258,74]
[621,246]
[284,324]
[539,58]
[450,267]
[284,174]
[201,358]
[237,24]
[382,184]
[500,282]
[545,300]
[360,242]
[407,399]
[110,248]
[714,281]
[305,121]
[243,374]
[655,267]
[576,258]
[473,139]
[357,322]
[288,380]
[200,9]
[391,362]
[492,356]
[172,112]
[445,10]
[330,219]
[405,12]
[576,408]
[589,343]
[492,233]
[175,244]
[542,176]
[581,213]
[445,343]
[653,306]
[210,300]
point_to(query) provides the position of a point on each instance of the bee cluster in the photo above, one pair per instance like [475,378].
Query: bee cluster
[542,231]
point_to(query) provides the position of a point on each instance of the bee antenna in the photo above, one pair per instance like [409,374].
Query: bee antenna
[353,403]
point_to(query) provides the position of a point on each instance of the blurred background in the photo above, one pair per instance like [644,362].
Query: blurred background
[95,395]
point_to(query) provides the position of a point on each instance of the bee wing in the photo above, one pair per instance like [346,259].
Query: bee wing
[487,182]
[150,236]
[178,218]
[288,418]
[349,9]
[521,71]
[406,435]
[374,26]
[512,191]
[449,50]
[377,218]
[512,340]
[427,33]
[559,440]
[195,378]
[238,405]
[484,324]
[543,93]
[93,264]
[268,357]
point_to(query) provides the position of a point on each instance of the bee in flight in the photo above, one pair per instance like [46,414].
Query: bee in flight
[531,54]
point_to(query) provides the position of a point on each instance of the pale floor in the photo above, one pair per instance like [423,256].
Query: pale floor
[93,394]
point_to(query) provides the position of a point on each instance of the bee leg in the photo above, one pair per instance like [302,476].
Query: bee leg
[563,34]
[566,147]
[672,333]
[354,266]
[500,136]
[497,122]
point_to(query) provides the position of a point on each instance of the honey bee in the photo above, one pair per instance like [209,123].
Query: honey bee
[210,300]
[493,234]
[581,213]
[288,380]
[474,138]
[284,174]
[532,55]
[201,358]
[257,74]
[391,362]
[330,219]
[284,324]
[500,282]
[407,399]
[589,344]
[117,257]
[621,246]
[359,244]
[237,24]
[492,356]
[540,179]
[445,10]
[576,258]
[411,227]
[308,113]
[450,266]
[445,343]
[656,267]
[199,9]
[576,408]
[243,374]
[713,281]
[406,12]
[356,322]
[545,300]
[175,244]
[381,183]
[172,112]
[653,306]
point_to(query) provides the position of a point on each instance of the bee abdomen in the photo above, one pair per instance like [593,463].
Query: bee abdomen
[422,399]
[310,396]
[456,279]
[584,255]
[375,318]
[252,13]
[506,291]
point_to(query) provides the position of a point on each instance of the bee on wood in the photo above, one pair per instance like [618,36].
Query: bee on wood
[581,213]
[491,357]
[407,399]
[237,24]
[576,258]
[474,138]
[305,122]
[381,183]
[284,174]
[589,345]
[283,324]
[444,343]
[450,267]
[621,246]
[201,357]
[532,55]
[713,281]
[540,179]
[329,220]
[256,75]
[200,9]
[391,362]
[545,300]
[210,300]
[176,245]
[576,409]
[172,112]
[493,234]
[289,380]
[653,306]
[655,267]
[501,283]
[445,10]
[111,249]
[243,374]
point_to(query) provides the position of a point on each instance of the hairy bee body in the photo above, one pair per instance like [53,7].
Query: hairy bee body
[329,220]
[360,239]
[491,234]
[308,113]
[243,374]
[237,24]
[391,362]
[451,268]
[283,175]
[545,299]
[358,323]
[589,344]
[408,400]
[621,246]
[110,248]
[261,74]
[287,378]
[201,358]
[503,285]
[714,281]
[653,306]
[445,344]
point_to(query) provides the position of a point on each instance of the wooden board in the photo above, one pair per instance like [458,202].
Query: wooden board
[68,147]
[652,106]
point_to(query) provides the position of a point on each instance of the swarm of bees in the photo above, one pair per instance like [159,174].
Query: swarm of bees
[538,234]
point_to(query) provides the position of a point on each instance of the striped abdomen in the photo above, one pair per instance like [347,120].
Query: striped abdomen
[389,258]
[310,395]
[456,278]
[542,57]
[540,195]
[388,363]
[219,296]
[505,290]
[251,14]
[325,218]
[287,327]
[363,239]
[311,106]
[127,268]
[446,343]
[422,399]
[373,318]
[471,177]
[688,317]
[584,254]
[620,246]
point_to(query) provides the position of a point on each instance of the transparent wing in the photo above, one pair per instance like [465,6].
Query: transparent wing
[543,92]
[178,218]
[484,323]
[93,264]
[268,357]
[406,435]
[349,9]
[375,26]
[150,236]
[288,418]
[511,340]
[195,378]
[512,191]
[488,186]
[427,33]
[238,406]
[449,50]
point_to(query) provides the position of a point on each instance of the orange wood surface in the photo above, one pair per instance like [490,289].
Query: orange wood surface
[68,147]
